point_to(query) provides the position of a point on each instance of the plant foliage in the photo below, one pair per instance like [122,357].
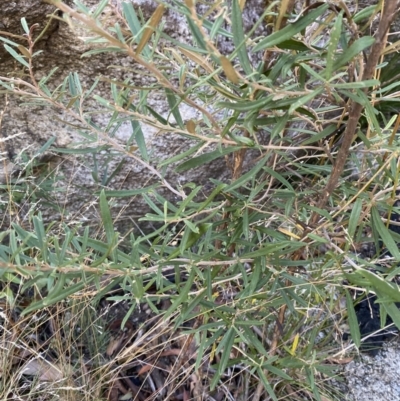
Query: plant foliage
[253,268]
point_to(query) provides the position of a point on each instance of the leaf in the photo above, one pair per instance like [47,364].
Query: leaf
[332,46]
[295,344]
[182,155]
[384,233]
[357,85]
[44,370]
[293,44]
[197,59]
[17,56]
[25,25]
[290,30]
[304,100]
[282,247]
[191,126]
[366,278]
[139,138]
[225,348]
[100,8]
[356,48]
[261,375]
[179,212]
[205,158]
[229,71]
[191,236]
[279,177]
[197,35]
[248,176]
[57,298]
[247,105]
[183,295]
[239,39]
[323,134]
[123,193]
[354,218]
[353,321]
[107,220]
[391,308]
[150,28]
[173,103]
[24,51]
[364,13]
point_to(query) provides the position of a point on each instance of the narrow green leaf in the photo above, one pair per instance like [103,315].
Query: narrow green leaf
[278,372]
[353,321]
[190,237]
[317,238]
[173,103]
[224,348]
[391,308]
[100,8]
[289,31]
[279,177]
[282,246]
[131,19]
[364,13]
[239,39]
[266,383]
[106,216]
[108,224]
[252,339]
[248,176]
[129,192]
[334,37]
[367,278]
[17,56]
[312,72]
[182,155]
[25,25]
[293,44]
[304,100]
[57,298]
[205,158]
[210,198]
[355,49]
[354,218]
[159,118]
[139,138]
[183,204]
[280,126]
[323,134]
[384,233]
[196,34]
[247,105]
[357,85]
[183,295]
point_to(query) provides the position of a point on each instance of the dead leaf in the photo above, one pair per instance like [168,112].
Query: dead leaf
[229,71]
[44,370]
[115,344]
[191,126]
[151,27]
[340,361]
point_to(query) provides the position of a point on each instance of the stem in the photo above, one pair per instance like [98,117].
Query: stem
[388,14]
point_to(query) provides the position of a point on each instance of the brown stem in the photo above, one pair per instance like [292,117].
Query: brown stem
[388,14]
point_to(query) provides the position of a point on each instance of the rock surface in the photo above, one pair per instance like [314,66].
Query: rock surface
[374,378]
[25,129]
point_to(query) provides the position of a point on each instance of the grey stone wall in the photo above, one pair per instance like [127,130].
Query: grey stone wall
[26,128]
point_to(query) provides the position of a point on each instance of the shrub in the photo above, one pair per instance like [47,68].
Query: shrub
[248,272]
